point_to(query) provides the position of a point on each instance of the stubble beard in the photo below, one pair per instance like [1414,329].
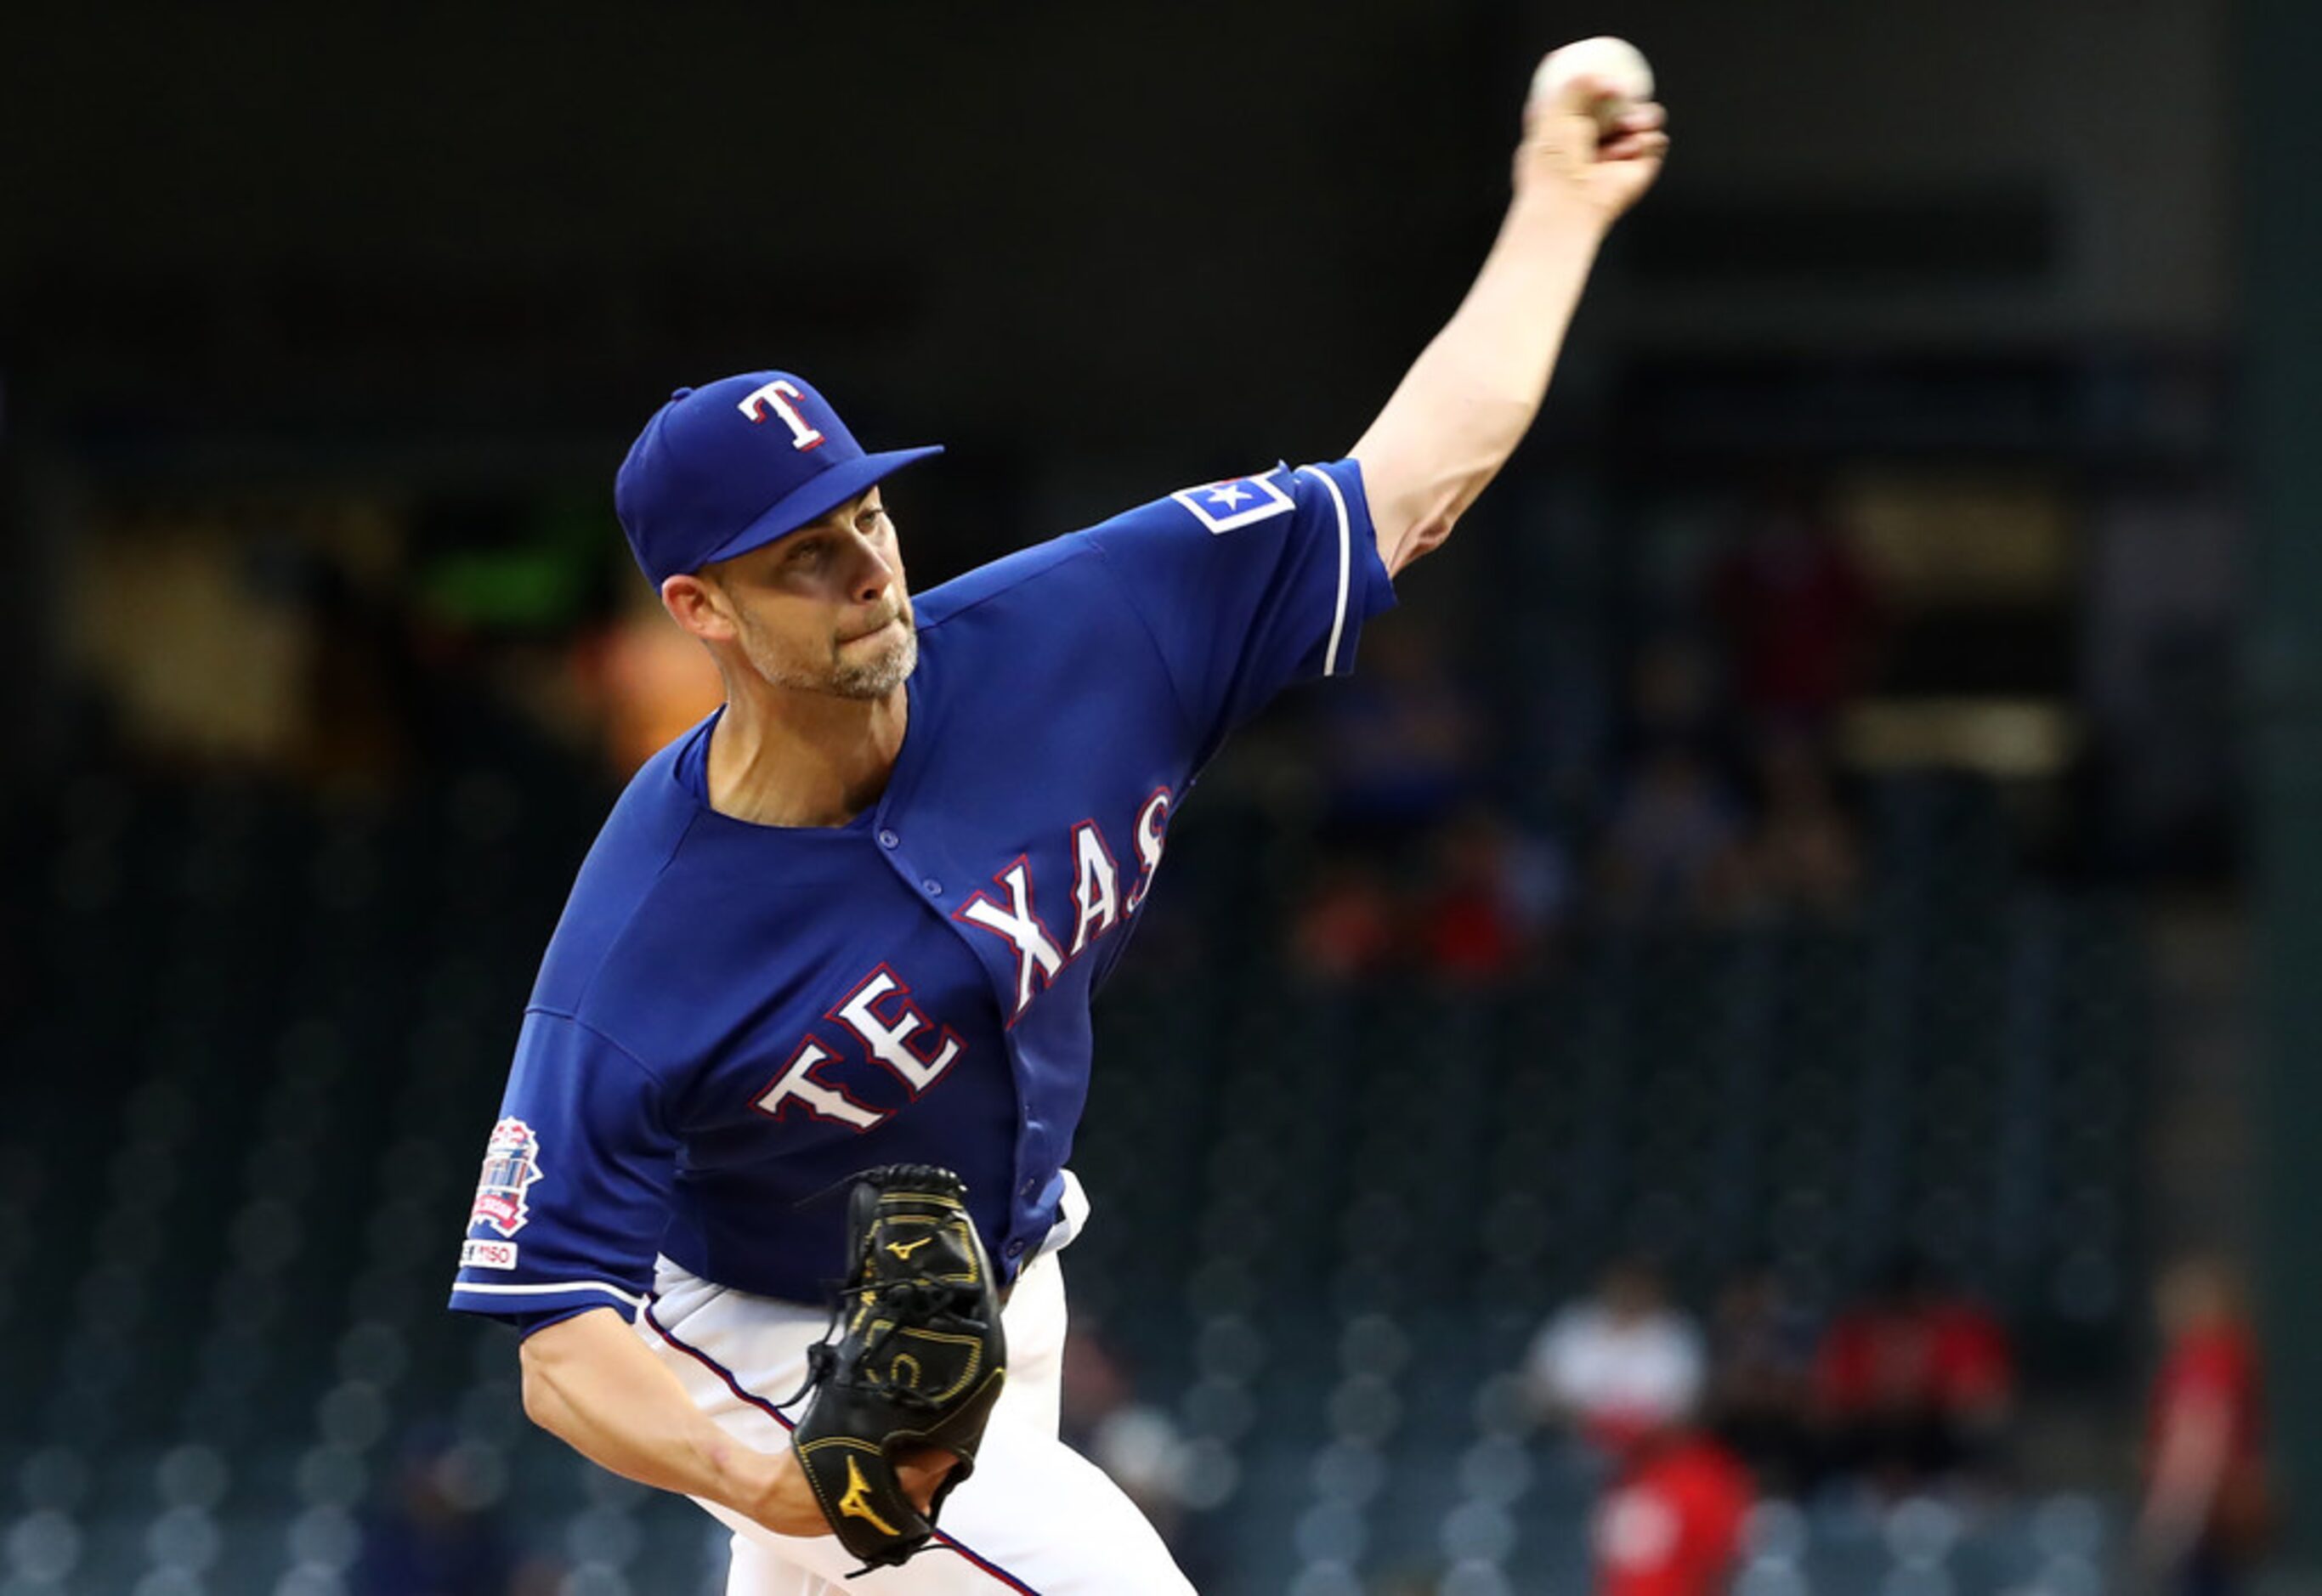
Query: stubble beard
[882,672]
[865,678]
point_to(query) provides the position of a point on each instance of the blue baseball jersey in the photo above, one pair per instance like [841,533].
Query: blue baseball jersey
[732,1018]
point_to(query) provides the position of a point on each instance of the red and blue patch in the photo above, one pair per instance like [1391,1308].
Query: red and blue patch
[511,1167]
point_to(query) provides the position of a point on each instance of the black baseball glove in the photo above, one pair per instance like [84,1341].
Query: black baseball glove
[919,1360]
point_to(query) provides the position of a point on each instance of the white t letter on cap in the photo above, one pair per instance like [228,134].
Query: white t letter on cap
[778,395]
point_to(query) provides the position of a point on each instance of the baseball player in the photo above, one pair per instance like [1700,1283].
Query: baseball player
[854,917]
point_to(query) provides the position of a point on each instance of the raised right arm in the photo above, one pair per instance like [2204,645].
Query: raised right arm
[1468,399]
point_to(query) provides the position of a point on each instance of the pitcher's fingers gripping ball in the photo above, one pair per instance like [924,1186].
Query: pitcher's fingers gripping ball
[918,1362]
[1592,126]
[1607,76]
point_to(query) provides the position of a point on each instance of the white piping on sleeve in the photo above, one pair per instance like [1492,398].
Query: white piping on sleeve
[632,1299]
[1346,569]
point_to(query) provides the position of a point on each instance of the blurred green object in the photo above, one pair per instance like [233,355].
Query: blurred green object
[544,579]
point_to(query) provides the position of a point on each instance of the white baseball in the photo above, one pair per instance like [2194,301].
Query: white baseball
[1616,61]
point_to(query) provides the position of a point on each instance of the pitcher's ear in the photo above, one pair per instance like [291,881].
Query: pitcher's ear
[698,606]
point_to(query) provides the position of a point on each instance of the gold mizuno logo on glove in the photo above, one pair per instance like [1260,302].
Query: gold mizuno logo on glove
[904,1249]
[855,1503]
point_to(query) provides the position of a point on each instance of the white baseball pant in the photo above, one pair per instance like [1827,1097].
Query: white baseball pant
[1036,1517]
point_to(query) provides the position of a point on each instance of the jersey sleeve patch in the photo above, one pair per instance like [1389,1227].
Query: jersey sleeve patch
[511,1166]
[1236,502]
[580,1165]
[1236,619]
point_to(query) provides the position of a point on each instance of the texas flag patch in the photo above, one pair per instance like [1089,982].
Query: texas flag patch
[1237,501]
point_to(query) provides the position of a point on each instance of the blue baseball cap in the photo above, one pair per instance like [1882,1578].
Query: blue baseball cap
[723,469]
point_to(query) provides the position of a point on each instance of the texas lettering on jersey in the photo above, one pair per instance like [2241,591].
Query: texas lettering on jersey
[893,1033]
[1096,895]
[733,1019]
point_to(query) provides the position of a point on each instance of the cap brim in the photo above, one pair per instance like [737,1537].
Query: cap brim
[813,500]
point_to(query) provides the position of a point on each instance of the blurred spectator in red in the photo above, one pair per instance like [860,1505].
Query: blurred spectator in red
[1799,613]
[1761,1348]
[2208,1505]
[1344,930]
[1802,853]
[1498,895]
[1915,1384]
[1618,1365]
[1672,848]
[1671,1522]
